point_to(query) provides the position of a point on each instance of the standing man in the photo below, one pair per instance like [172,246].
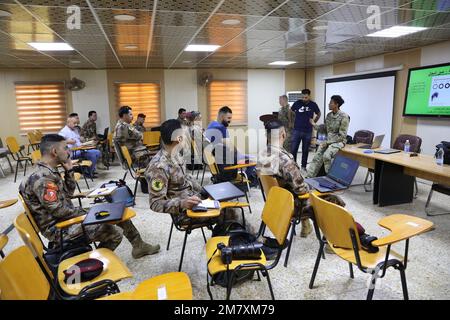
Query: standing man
[304,111]
[70,133]
[89,129]
[139,124]
[336,123]
[286,116]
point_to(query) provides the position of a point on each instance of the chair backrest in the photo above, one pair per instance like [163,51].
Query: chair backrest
[151,137]
[363,136]
[278,212]
[28,234]
[120,156]
[21,278]
[335,222]
[210,161]
[38,133]
[126,155]
[12,144]
[415,142]
[267,182]
[36,156]
[28,214]
[105,132]
[32,138]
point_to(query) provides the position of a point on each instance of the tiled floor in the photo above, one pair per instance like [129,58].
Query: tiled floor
[428,270]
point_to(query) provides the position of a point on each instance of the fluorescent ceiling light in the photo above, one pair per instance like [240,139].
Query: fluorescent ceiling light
[131,47]
[396,31]
[282,63]
[231,22]
[320,28]
[51,46]
[124,17]
[187,61]
[4,13]
[75,61]
[202,47]
[322,52]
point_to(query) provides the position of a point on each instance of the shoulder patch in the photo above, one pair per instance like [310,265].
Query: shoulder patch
[157,185]
[52,186]
[50,195]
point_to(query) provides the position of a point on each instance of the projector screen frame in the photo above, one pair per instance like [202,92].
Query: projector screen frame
[447,64]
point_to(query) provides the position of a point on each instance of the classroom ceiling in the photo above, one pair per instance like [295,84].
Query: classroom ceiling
[310,32]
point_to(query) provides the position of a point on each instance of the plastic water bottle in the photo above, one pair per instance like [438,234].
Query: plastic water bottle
[440,157]
[407,146]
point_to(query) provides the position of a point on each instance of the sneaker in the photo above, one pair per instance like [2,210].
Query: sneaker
[306,228]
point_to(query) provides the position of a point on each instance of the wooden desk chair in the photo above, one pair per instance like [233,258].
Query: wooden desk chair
[277,214]
[339,230]
[136,174]
[33,140]
[3,242]
[16,154]
[21,278]
[38,133]
[152,139]
[441,188]
[240,179]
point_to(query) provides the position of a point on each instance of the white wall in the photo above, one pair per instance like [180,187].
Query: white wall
[264,87]
[371,63]
[433,130]
[319,92]
[180,90]
[93,97]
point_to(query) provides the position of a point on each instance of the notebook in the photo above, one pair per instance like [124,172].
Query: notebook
[223,191]
[100,192]
[387,151]
[105,212]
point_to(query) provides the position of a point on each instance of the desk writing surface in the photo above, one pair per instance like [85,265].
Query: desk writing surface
[423,166]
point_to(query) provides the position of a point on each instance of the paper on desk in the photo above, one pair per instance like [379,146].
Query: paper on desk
[102,191]
[209,204]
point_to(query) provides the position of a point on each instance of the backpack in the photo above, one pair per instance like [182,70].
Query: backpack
[238,235]
[445,145]
[144,185]
[122,194]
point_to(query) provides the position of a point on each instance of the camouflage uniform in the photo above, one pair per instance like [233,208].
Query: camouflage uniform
[127,135]
[336,129]
[139,127]
[47,196]
[89,131]
[287,117]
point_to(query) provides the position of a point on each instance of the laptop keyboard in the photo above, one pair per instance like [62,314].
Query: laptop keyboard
[325,183]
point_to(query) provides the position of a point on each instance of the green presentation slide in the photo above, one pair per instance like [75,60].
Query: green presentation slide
[429,92]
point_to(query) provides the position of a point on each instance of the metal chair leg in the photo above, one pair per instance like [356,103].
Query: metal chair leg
[170,236]
[249,207]
[351,270]
[203,174]
[366,183]
[316,265]
[182,250]
[416,188]
[203,233]
[269,283]
[135,191]
[404,284]
[25,169]
[17,169]
[372,286]
[291,238]
[428,211]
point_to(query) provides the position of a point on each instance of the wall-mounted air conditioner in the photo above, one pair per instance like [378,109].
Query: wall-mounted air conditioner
[293,96]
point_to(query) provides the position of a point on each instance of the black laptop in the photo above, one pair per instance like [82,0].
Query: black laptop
[105,212]
[223,191]
[339,177]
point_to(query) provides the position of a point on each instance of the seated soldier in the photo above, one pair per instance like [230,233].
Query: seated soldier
[127,135]
[336,123]
[139,123]
[89,129]
[48,196]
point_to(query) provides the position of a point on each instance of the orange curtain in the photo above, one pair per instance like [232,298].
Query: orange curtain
[228,93]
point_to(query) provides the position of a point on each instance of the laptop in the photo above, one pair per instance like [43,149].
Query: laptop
[223,191]
[339,177]
[388,151]
[376,143]
[105,212]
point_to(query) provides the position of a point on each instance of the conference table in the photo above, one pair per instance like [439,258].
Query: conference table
[394,173]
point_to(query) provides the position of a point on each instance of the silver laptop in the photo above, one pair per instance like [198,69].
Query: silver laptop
[376,143]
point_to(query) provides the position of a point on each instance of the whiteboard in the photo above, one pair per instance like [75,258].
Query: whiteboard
[368,101]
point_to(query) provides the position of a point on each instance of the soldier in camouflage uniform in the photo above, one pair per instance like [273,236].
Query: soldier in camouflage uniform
[127,135]
[89,129]
[287,117]
[139,124]
[336,123]
[48,197]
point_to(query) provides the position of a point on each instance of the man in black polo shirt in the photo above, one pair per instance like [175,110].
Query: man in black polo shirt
[304,110]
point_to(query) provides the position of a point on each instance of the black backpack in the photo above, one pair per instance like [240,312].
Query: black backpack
[445,145]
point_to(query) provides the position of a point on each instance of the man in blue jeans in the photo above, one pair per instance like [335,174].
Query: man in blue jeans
[304,110]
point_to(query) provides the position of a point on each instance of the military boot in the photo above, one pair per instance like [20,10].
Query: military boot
[141,248]
[306,228]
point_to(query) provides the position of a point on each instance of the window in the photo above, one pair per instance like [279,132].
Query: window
[41,106]
[142,98]
[228,93]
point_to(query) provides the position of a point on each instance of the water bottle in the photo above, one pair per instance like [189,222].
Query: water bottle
[440,157]
[407,146]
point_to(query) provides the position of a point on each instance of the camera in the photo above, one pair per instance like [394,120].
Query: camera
[247,251]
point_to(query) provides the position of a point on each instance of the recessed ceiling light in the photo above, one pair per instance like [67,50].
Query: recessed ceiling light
[265,49]
[4,13]
[320,28]
[396,31]
[187,61]
[131,46]
[282,63]
[231,22]
[201,47]
[124,17]
[75,61]
[322,52]
[51,46]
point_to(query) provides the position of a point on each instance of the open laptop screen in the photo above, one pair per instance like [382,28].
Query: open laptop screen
[343,170]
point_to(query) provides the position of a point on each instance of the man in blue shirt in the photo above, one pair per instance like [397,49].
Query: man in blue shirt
[217,130]
[304,111]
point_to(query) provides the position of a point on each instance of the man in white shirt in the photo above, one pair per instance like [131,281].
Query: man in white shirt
[72,137]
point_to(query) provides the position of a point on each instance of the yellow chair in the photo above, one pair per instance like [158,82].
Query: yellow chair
[3,242]
[16,154]
[241,178]
[151,139]
[277,214]
[339,230]
[114,268]
[34,141]
[135,174]
[38,134]
[21,278]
